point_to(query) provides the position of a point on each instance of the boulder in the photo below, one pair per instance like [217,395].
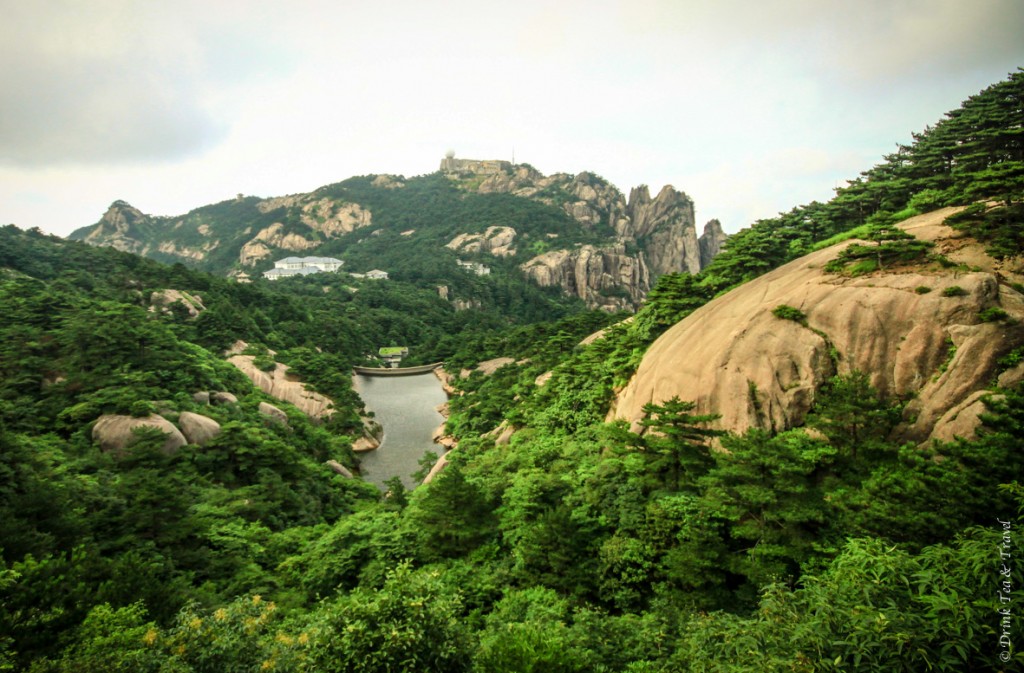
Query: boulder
[962,420]
[439,464]
[273,413]
[223,397]
[202,397]
[734,357]
[114,433]
[364,444]
[198,429]
[339,468]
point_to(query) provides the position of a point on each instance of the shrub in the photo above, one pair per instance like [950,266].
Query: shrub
[922,289]
[954,291]
[142,408]
[927,200]
[786,312]
[992,314]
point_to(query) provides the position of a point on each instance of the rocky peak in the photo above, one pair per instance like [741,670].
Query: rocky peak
[118,228]
[665,228]
[711,242]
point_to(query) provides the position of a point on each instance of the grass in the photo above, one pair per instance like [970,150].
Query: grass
[856,232]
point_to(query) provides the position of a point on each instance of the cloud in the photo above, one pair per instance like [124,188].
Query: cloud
[108,82]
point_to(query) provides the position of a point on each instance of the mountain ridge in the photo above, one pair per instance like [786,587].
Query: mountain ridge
[613,248]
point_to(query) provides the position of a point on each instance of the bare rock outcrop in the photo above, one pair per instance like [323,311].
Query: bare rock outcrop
[659,232]
[487,367]
[278,383]
[164,300]
[497,241]
[371,438]
[114,433]
[666,225]
[119,228]
[273,413]
[338,468]
[198,429]
[222,397]
[735,358]
[710,242]
[607,277]
[436,468]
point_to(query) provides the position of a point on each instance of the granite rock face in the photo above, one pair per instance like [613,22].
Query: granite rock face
[198,429]
[735,358]
[114,433]
[711,242]
[648,236]
[608,277]
[286,387]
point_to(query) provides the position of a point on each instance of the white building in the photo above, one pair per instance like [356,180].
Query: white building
[302,266]
[376,274]
[476,267]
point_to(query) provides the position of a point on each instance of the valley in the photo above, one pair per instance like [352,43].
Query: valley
[798,447]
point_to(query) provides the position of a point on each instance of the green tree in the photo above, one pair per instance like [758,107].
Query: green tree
[411,624]
[677,442]
[851,415]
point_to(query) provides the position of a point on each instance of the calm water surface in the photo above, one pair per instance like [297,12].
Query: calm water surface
[406,406]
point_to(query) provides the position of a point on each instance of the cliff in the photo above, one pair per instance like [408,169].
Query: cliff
[648,237]
[919,332]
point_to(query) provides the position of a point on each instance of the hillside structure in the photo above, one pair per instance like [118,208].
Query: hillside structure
[476,166]
[374,274]
[302,266]
[474,267]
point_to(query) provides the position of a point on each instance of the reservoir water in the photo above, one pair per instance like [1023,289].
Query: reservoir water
[406,407]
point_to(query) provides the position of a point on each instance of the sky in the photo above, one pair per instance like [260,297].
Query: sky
[750,108]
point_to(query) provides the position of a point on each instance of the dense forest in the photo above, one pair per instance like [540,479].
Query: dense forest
[580,545]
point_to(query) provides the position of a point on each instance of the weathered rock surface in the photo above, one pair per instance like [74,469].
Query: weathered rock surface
[163,300]
[487,367]
[114,433]
[666,226]
[436,468]
[273,413]
[661,230]
[120,228]
[497,241]
[339,468]
[223,397]
[734,358]
[278,383]
[196,428]
[606,278]
[711,242]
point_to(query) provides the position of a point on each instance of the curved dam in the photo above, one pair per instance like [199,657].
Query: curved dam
[405,405]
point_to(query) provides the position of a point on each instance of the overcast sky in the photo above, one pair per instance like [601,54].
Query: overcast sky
[750,107]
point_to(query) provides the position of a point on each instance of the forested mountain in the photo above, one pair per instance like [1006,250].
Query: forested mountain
[576,233]
[839,490]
